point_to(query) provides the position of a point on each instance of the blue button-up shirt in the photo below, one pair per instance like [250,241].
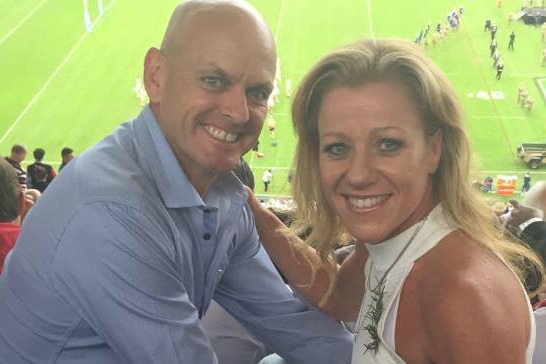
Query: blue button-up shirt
[120,258]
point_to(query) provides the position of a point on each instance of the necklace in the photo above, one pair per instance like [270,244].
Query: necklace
[377,306]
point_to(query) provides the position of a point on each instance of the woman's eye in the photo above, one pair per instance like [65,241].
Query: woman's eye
[389,145]
[336,149]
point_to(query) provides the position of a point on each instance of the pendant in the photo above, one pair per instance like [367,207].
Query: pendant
[375,311]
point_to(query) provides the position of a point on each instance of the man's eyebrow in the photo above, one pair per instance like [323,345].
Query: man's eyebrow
[266,86]
[217,71]
[220,72]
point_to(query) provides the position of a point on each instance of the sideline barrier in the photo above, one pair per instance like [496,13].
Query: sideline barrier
[506,185]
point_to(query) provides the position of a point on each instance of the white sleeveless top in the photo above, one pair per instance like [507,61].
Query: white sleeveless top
[382,255]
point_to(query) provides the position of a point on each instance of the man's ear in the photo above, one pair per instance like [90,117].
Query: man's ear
[154,68]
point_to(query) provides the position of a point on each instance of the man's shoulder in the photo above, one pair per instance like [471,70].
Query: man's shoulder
[110,168]
[46,166]
[13,163]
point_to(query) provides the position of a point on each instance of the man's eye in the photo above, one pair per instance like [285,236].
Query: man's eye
[336,149]
[212,81]
[258,96]
[389,145]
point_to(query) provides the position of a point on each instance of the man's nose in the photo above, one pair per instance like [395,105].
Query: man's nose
[235,105]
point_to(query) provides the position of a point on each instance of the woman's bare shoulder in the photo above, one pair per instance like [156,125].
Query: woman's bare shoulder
[468,294]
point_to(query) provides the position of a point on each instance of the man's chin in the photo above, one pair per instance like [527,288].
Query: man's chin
[225,166]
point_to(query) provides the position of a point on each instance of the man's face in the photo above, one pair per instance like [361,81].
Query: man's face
[68,157]
[212,97]
[19,157]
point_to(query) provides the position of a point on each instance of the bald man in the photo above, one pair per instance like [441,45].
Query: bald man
[122,256]
[526,220]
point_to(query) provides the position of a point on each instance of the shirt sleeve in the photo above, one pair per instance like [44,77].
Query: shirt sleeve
[254,293]
[116,268]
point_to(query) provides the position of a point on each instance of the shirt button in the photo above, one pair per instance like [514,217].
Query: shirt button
[206,236]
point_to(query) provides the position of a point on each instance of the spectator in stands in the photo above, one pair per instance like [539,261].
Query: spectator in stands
[527,223]
[46,171]
[14,204]
[18,155]
[40,179]
[487,184]
[426,240]
[67,154]
[150,224]
[536,197]
[10,209]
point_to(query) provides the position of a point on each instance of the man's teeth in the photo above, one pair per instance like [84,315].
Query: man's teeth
[366,203]
[220,134]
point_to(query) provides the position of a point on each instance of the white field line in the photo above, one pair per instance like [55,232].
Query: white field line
[540,85]
[370,22]
[489,171]
[494,117]
[49,80]
[508,173]
[23,21]
[279,20]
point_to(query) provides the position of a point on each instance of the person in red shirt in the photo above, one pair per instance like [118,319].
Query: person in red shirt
[14,203]
[10,206]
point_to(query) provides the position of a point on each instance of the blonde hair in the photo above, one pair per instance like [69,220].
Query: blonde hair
[389,60]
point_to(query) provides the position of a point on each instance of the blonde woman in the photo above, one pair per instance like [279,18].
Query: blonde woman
[383,157]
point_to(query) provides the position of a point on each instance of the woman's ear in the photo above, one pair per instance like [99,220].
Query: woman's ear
[436,141]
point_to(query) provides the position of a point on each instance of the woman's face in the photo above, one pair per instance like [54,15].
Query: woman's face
[375,160]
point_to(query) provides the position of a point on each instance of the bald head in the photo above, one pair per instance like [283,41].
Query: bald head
[536,196]
[193,16]
[209,84]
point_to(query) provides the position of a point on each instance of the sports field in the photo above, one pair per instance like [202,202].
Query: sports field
[64,86]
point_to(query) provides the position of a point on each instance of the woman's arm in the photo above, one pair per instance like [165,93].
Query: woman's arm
[305,270]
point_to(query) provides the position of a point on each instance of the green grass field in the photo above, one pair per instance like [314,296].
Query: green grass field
[63,86]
